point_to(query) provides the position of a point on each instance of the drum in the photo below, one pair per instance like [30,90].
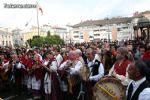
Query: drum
[1,99]
[109,88]
[85,73]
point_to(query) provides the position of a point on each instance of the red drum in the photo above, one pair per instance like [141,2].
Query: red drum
[109,88]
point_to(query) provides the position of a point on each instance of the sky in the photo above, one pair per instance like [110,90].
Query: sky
[64,12]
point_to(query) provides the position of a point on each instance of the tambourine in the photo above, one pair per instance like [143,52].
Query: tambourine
[109,88]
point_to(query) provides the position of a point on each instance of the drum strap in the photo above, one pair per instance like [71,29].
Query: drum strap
[70,85]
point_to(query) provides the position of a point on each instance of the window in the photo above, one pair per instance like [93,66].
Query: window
[76,32]
[2,41]
[124,27]
[95,30]
[6,43]
[90,36]
[76,36]
[118,29]
[96,34]
[9,42]
[103,30]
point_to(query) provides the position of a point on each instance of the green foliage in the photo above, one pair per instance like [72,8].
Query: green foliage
[48,33]
[39,41]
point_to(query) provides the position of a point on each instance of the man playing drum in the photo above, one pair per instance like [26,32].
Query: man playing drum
[119,69]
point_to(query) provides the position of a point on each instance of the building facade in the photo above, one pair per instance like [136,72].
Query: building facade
[118,28]
[107,29]
[6,37]
[18,39]
[62,32]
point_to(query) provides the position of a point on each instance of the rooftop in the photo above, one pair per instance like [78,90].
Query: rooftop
[104,21]
[115,20]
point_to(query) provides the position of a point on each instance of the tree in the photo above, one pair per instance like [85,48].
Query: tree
[39,41]
[48,33]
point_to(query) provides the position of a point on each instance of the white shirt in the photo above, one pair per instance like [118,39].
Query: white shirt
[76,68]
[5,65]
[145,94]
[59,59]
[97,57]
[53,66]
[73,69]
[47,78]
[100,71]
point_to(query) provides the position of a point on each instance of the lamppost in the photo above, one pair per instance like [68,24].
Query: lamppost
[69,33]
[132,30]
[108,35]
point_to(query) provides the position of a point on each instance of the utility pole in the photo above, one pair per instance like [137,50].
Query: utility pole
[69,33]
[38,19]
[108,35]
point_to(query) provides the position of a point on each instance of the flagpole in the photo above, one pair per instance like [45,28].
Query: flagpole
[38,19]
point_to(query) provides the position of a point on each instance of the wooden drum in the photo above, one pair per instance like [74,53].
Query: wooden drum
[109,88]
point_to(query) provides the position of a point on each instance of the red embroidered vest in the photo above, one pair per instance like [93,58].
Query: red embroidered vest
[121,69]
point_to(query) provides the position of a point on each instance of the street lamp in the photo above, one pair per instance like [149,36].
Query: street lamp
[69,26]
[107,23]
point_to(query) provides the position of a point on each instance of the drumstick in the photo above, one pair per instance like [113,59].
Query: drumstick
[103,89]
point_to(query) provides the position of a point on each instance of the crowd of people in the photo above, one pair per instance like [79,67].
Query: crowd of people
[53,72]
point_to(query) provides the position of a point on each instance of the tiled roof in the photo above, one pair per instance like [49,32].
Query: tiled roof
[104,22]
[59,28]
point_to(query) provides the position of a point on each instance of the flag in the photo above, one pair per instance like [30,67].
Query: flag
[40,8]
[26,24]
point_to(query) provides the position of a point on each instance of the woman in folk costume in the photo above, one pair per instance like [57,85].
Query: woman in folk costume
[119,69]
[4,62]
[3,65]
[37,77]
[63,83]
[16,77]
[22,59]
[28,63]
[51,84]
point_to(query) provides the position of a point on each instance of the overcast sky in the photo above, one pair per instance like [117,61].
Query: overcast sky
[62,12]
